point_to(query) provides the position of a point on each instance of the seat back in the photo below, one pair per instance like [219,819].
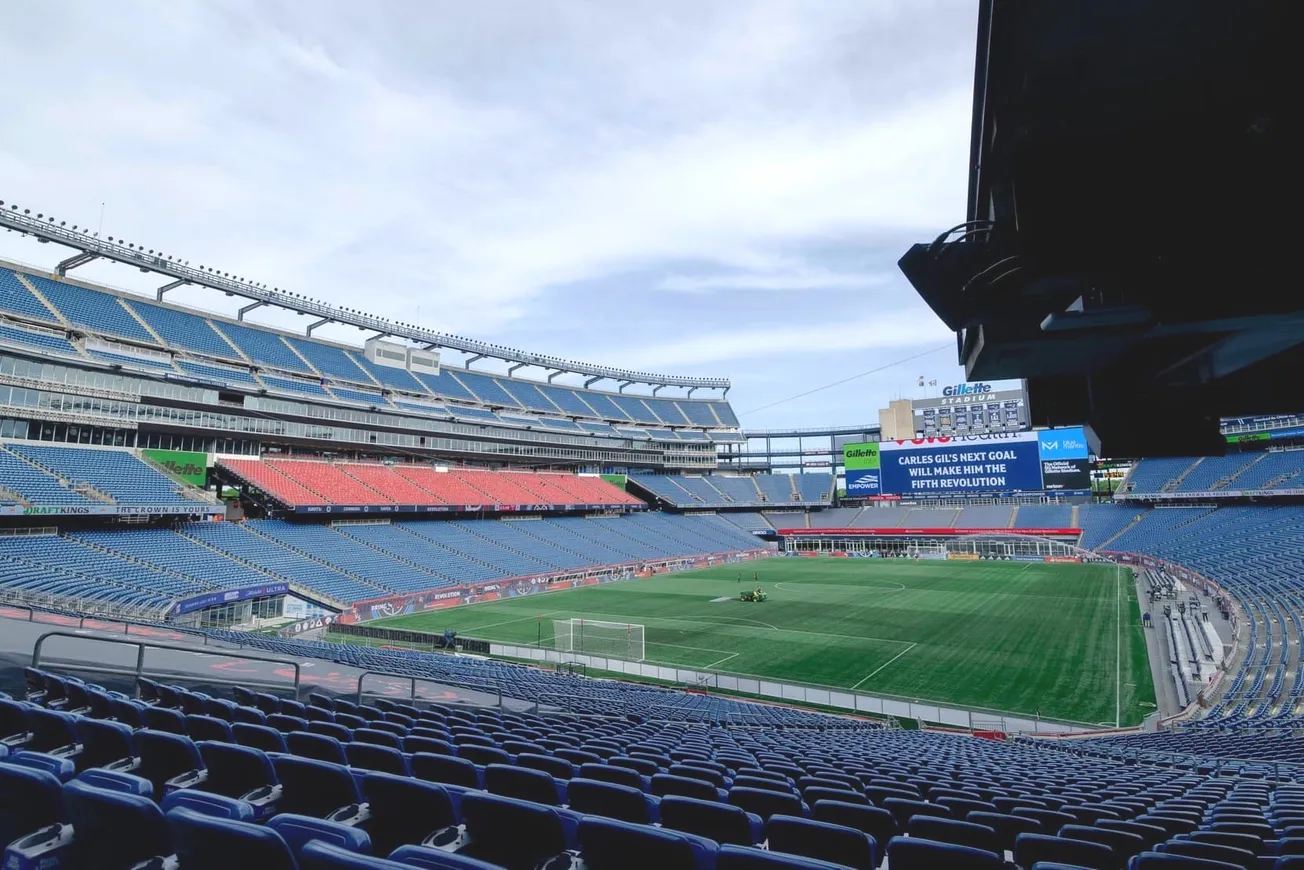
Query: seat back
[663,784]
[404,810]
[607,844]
[369,756]
[166,719]
[208,728]
[163,756]
[208,842]
[875,821]
[917,854]
[723,823]
[951,831]
[558,768]
[536,831]
[1124,844]
[522,783]
[422,743]
[446,769]
[618,775]
[1030,849]
[286,724]
[104,742]
[314,788]
[836,844]
[114,830]
[297,831]
[1210,852]
[609,800]
[52,730]
[316,746]
[435,859]
[258,736]
[766,803]
[484,755]
[29,799]
[235,770]
[377,737]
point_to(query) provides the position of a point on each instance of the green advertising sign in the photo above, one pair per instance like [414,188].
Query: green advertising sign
[1248,436]
[860,457]
[190,467]
[615,479]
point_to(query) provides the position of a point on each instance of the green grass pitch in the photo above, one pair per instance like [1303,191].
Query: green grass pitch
[1061,639]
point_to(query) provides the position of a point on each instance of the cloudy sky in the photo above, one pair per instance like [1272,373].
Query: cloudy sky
[701,188]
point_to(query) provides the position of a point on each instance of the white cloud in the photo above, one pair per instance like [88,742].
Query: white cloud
[794,279]
[468,160]
[878,332]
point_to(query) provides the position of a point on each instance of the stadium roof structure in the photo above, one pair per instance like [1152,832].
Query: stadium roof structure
[1131,162]
[815,432]
[91,247]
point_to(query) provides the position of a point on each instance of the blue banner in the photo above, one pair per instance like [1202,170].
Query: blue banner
[208,600]
[962,465]
[863,482]
[1062,443]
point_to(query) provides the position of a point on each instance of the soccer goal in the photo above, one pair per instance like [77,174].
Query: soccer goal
[615,640]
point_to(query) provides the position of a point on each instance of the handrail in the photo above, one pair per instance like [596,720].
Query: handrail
[139,670]
[412,683]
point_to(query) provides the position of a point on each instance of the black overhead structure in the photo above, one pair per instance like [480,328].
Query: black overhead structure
[1129,248]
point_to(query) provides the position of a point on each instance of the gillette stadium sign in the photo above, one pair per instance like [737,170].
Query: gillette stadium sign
[966,390]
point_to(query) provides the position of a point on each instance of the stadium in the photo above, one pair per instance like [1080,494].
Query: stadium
[429,601]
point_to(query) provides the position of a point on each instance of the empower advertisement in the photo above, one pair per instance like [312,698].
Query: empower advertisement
[1051,459]
[861,464]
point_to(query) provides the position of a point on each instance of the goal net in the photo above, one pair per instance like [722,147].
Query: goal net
[616,640]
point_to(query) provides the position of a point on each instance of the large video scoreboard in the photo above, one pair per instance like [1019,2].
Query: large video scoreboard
[970,409]
[1044,460]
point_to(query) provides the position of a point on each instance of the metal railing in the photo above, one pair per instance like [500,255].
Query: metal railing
[139,670]
[412,681]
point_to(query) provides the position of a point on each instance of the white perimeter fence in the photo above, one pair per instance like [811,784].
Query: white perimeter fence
[794,693]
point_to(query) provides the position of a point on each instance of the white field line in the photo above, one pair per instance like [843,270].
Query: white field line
[1118,646]
[885,664]
[714,665]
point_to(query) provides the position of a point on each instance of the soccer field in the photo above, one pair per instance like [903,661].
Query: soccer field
[1061,639]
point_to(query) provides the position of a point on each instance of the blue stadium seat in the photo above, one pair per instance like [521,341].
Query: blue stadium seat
[168,761]
[915,854]
[209,842]
[607,844]
[383,759]
[30,799]
[828,842]
[241,772]
[716,821]
[314,788]
[297,831]
[612,801]
[538,832]
[435,859]
[1031,849]
[404,810]
[744,858]
[114,830]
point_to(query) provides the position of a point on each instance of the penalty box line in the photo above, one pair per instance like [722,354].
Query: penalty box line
[740,622]
[884,665]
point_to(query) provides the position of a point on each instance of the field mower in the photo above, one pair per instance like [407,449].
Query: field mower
[758,595]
